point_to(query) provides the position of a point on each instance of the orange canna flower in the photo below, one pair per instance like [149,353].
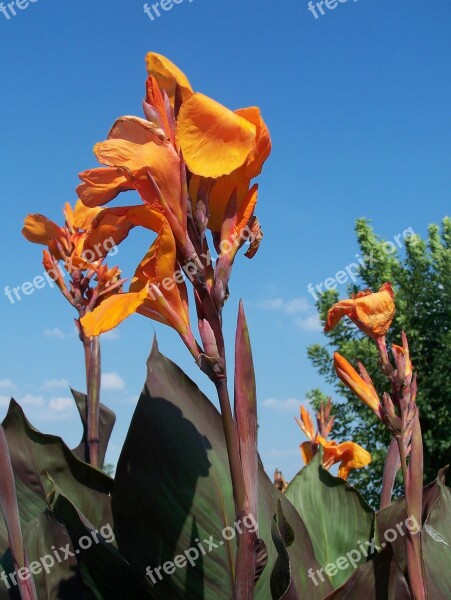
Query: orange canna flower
[361,386]
[349,454]
[371,312]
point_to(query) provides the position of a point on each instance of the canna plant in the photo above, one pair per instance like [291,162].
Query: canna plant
[193,513]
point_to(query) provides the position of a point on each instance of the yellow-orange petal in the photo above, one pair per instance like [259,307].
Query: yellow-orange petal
[40,230]
[214,140]
[168,75]
[112,311]
[356,383]
[102,185]
[82,216]
[352,456]
[262,146]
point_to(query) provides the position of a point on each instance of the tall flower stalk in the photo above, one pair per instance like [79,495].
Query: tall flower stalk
[192,161]
[373,314]
[90,282]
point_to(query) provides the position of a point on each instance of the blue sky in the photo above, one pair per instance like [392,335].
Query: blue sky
[357,102]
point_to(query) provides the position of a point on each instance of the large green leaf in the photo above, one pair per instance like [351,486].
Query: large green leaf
[172,490]
[436,542]
[335,514]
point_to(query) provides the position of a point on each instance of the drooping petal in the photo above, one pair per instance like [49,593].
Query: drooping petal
[214,140]
[40,230]
[102,185]
[111,312]
[168,75]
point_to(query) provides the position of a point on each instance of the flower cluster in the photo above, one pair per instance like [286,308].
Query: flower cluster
[192,162]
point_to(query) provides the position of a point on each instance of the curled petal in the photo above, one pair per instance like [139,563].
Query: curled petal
[214,140]
[40,230]
[102,185]
[81,216]
[168,75]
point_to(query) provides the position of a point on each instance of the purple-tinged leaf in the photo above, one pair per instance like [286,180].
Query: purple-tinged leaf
[392,465]
[10,511]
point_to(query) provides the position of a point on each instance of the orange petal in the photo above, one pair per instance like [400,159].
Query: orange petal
[102,185]
[353,381]
[111,312]
[136,130]
[262,146]
[220,193]
[214,140]
[168,75]
[82,216]
[40,230]
[372,313]
[161,161]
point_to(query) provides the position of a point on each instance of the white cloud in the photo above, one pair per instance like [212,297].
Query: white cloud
[60,403]
[55,384]
[112,381]
[110,335]
[4,401]
[288,405]
[8,385]
[290,307]
[311,323]
[55,332]
[30,400]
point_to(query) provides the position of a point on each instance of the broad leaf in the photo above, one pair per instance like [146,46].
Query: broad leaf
[172,491]
[335,514]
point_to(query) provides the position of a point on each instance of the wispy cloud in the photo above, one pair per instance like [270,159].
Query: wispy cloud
[55,384]
[7,385]
[31,400]
[4,401]
[54,332]
[110,335]
[305,315]
[60,403]
[112,382]
[288,405]
[289,307]
[311,323]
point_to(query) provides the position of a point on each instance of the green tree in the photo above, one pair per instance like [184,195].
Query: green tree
[421,278]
